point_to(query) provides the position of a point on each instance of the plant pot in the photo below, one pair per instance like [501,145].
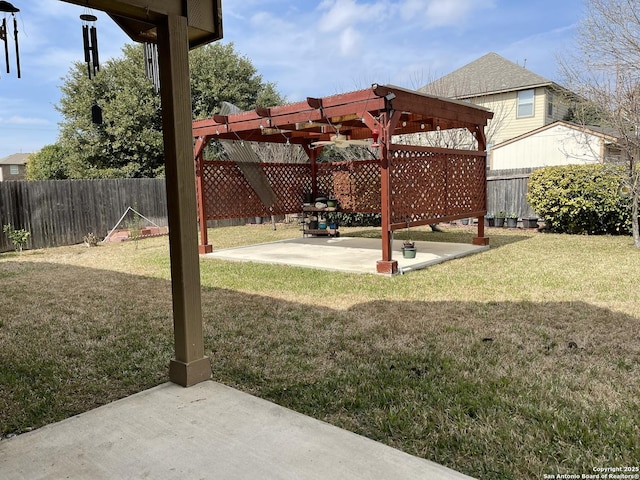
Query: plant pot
[409,252]
[512,222]
[465,221]
[331,203]
[258,220]
[489,222]
[529,223]
[499,222]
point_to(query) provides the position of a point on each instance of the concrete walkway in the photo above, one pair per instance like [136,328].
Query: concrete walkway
[207,431]
[345,254]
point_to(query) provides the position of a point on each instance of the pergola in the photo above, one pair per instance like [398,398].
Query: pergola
[409,185]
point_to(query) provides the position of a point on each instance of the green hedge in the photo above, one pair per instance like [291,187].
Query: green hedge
[356,219]
[581,199]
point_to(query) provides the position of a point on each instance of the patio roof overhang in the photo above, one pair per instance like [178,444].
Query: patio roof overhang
[355,114]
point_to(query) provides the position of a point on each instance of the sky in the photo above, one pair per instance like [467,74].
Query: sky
[308,48]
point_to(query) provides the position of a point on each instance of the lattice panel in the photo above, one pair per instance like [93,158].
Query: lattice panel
[289,181]
[430,184]
[425,184]
[356,185]
[228,194]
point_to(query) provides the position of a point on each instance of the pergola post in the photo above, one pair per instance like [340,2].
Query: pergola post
[189,366]
[480,239]
[386,265]
[313,156]
[198,151]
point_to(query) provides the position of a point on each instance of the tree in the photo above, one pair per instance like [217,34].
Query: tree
[48,164]
[605,71]
[220,74]
[128,141]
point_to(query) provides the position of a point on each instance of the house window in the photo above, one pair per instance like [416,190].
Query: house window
[525,103]
[14,170]
[549,104]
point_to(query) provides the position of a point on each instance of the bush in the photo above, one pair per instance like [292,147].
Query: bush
[581,199]
[18,237]
[357,219]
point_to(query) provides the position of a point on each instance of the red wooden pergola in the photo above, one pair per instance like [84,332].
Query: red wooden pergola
[408,185]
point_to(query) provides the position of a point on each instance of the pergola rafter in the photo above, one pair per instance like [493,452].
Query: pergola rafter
[415,185]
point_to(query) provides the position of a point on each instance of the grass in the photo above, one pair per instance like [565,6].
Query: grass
[513,363]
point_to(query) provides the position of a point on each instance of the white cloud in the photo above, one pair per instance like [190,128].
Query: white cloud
[342,14]
[18,120]
[350,41]
[442,13]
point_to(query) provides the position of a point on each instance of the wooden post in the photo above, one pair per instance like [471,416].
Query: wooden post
[198,150]
[480,239]
[387,265]
[313,156]
[189,366]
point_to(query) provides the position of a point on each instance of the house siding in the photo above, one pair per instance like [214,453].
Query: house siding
[506,124]
[557,145]
[5,173]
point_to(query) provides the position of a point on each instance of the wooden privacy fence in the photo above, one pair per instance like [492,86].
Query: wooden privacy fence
[507,192]
[62,212]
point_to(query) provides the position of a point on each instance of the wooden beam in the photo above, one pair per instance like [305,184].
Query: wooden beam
[189,366]
[139,18]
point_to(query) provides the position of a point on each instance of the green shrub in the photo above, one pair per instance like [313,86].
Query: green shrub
[356,219]
[581,199]
[18,237]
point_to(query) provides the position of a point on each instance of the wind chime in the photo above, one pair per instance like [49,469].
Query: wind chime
[6,7]
[151,68]
[90,43]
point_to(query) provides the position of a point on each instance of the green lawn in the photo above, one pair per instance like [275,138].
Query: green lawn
[516,362]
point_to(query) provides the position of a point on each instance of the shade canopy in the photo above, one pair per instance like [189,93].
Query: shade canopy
[355,115]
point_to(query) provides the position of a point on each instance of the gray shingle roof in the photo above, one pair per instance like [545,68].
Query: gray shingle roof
[15,159]
[488,74]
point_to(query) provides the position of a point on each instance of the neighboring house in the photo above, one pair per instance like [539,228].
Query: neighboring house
[559,143]
[521,100]
[13,167]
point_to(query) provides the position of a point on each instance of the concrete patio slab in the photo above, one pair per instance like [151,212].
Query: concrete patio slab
[344,254]
[208,431]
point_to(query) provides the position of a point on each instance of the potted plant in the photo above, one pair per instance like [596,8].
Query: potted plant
[530,222]
[408,246]
[499,220]
[512,220]
[408,249]
[489,220]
